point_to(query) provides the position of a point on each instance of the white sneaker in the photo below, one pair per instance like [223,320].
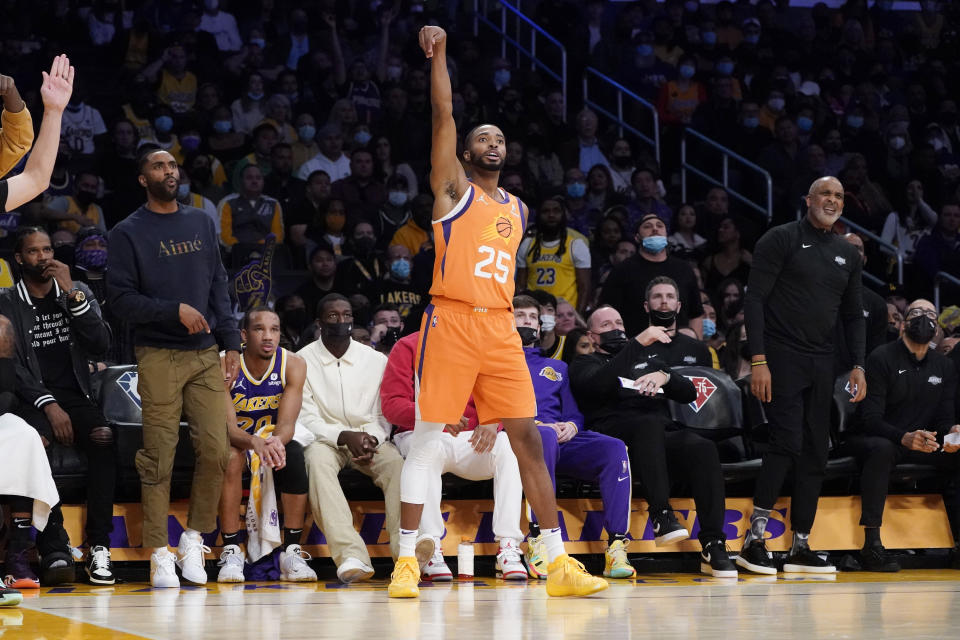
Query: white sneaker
[509,562]
[163,573]
[190,558]
[231,564]
[353,570]
[436,569]
[425,550]
[294,567]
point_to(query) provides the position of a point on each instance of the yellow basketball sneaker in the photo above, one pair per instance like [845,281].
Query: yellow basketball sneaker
[536,557]
[618,566]
[405,578]
[567,577]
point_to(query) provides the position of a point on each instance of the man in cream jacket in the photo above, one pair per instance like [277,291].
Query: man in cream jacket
[341,407]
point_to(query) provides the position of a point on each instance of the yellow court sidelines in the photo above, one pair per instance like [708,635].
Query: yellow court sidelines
[912,603]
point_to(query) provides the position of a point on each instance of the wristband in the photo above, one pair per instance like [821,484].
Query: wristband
[856,366]
[758,363]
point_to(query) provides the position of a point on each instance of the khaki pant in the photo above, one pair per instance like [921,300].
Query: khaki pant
[331,511]
[173,383]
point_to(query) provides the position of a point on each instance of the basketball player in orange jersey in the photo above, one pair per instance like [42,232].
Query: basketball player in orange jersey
[468,341]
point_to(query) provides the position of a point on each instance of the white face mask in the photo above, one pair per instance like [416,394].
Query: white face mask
[547,323]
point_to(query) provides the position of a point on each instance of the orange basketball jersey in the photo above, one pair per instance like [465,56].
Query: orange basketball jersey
[476,245]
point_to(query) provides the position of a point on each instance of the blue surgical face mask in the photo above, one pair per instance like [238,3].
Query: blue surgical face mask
[362,137]
[163,124]
[709,328]
[576,189]
[183,190]
[190,143]
[400,269]
[655,244]
[501,77]
[397,198]
[222,126]
[725,68]
[709,37]
[687,71]
[260,42]
[645,50]
[254,96]
[307,132]
[751,122]
[804,123]
[854,122]
[752,38]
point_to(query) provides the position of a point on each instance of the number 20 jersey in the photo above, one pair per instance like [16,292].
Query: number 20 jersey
[257,401]
[476,245]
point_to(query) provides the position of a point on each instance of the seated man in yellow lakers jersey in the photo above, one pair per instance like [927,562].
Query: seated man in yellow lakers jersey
[262,409]
[556,259]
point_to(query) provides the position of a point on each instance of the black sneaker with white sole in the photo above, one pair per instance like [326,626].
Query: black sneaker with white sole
[805,560]
[99,566]
[666,529]
[755,558]
[716,562]
[876,558]
[57,568]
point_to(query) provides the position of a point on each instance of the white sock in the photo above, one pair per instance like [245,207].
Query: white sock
[193,533]
[159,550]
[407,543]
[554,543]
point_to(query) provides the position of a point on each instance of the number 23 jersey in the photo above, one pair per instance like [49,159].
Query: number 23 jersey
[476,245]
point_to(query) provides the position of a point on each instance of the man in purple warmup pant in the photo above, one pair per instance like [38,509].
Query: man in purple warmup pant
[573,451]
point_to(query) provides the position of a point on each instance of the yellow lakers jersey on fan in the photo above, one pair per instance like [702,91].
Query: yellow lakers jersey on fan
[476,245]
[552,272]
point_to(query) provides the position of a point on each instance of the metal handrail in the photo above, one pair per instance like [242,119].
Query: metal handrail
[890,248]
[725,178]
[622,124]
[942,275]
[531,52]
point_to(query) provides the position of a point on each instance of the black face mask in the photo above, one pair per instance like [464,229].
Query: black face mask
[296,319]
[613,341]
[662,318]
[921,329]
[892,333]
[65,253]
[336,329]
[85,198]
[364,245]
[391,337]
[745,350]
[528,335]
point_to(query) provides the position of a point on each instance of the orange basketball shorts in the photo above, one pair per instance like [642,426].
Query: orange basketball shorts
[464,350]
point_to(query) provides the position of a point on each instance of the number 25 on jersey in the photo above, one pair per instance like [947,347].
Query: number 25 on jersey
[501,267]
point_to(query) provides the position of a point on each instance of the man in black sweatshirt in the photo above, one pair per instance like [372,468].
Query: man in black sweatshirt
[908,410]
[165,277]
[802,278]
[617,388]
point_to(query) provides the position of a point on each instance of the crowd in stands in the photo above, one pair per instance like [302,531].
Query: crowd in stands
[302,128]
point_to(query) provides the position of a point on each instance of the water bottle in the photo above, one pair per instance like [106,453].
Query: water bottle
[465,558]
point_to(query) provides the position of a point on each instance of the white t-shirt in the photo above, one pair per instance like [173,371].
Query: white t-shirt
[579,250]
[79,127]
[223,27]
[336,169]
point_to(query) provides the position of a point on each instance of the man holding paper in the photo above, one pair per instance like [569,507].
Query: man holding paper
[622,390]
[908,415]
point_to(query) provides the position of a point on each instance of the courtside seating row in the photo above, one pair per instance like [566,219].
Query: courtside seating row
[724,412]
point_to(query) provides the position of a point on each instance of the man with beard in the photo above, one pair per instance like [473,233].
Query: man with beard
[468,341]
[803,280]
[557,258]
[164,275]
[662,302]
[908,410]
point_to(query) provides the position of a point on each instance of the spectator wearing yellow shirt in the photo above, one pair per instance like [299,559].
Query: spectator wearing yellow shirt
[249,216]
[178,86]
[80,209]
[16,126]
[305,147]
[264,137]
[680,98]
[417,233]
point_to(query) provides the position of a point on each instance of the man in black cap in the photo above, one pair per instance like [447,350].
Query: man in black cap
[624,289]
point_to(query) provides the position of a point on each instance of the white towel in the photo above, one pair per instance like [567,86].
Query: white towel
[25,470]
[263,519]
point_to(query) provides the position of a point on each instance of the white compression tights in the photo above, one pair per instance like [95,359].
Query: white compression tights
[424,463]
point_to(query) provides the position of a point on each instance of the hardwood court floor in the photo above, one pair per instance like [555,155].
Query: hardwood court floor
[911,604]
